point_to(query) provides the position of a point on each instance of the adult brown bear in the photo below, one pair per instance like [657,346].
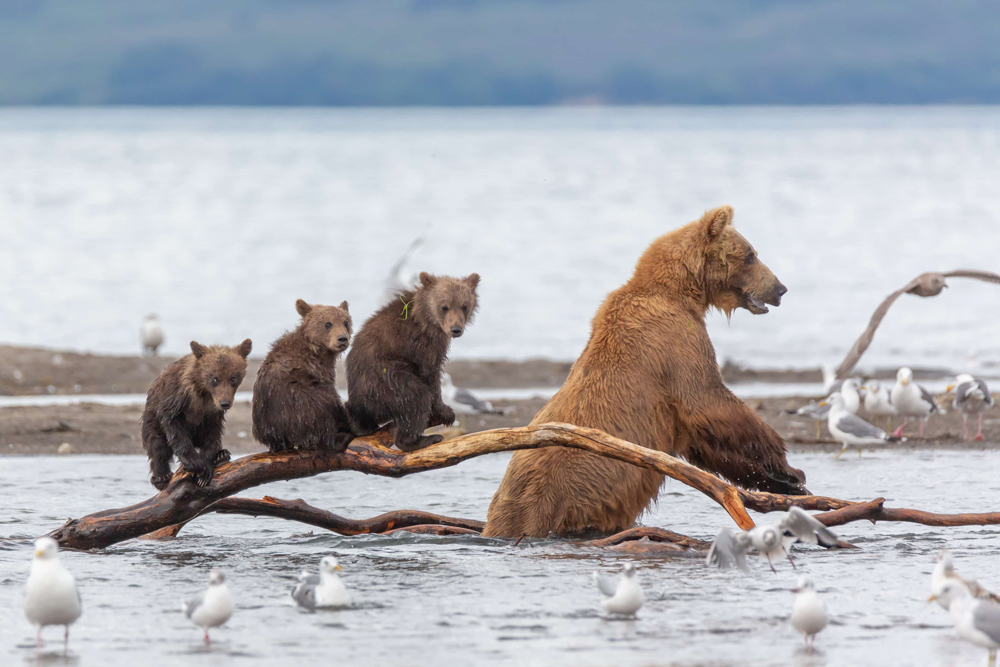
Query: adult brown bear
[649,375]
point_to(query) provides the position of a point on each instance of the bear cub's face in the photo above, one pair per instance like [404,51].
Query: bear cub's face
[450,303]
[219,370]
[326,326]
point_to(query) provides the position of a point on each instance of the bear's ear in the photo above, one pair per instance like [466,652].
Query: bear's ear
[717,220]
[302,308]
[343,306]
[473,280]
[244,348]
[198,349]
[427,279]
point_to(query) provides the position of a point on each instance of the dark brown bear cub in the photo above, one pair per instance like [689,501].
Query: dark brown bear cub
[185,411]
[295,399]
[394,367]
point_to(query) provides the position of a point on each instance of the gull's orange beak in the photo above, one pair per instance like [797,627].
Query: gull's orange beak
[822,404]
[338,567]
[949,388]
[932,598]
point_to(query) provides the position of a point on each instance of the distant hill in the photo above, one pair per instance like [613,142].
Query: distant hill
[498,52]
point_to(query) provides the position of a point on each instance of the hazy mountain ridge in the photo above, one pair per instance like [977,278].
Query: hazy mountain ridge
[469,52]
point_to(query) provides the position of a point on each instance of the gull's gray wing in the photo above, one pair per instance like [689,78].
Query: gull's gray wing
[971,273]
[962,391]
[727,551]
[986,619]
[304,593]
[806,529]
[812,409]
[466,397]
[607,585]
[193,603]
[928,397]
[858,427]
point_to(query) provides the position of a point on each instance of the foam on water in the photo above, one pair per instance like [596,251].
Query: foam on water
[424,600]
[219,219]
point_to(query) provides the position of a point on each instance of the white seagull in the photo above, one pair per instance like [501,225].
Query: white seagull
[463,401]
[972,397]
[624,596]
[322,590]
[944,572]
[912,400]
[51,596]
[850,429]
[809,611]
[771,540]
[878,403]
[977,621]
[852,397]
[210,608]
[150,334]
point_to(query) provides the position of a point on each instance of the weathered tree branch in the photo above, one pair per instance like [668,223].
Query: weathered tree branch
[182,500]
[874,511]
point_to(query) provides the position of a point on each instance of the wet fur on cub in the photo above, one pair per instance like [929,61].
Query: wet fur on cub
[185,413]
[295,399]
[394,367]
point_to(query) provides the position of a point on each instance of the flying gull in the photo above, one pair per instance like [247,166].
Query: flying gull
[210,608]
[944,572]
[809,611]
[622,596]
[926,284]
[912,400]
[771,540]
[51,596]
[323,590]
[972,397]
[849,429]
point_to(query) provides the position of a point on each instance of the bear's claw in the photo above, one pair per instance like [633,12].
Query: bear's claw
[222,457]
[160,481]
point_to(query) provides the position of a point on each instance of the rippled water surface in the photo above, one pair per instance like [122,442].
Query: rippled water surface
[218,219]
[468,600]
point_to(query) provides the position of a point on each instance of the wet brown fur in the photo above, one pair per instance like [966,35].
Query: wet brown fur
[295,400]
[649,375]
[185,413]
[394,367]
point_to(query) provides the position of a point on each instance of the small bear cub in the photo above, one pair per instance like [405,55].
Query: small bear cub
[185,412]
[394,368]
[295,399]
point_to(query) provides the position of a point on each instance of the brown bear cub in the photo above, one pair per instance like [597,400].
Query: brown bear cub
[295,399]
[185,411]
[394,367]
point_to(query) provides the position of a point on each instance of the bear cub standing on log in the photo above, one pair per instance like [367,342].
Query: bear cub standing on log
[185,411]
[394,368]
[295,399]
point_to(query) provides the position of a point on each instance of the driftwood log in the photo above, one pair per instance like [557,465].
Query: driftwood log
[183,500]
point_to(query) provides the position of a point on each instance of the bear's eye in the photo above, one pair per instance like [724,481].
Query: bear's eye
[215,382]
[465,309]
[444,309]
[751,258]
[347,325]
[329,325]
[235,381]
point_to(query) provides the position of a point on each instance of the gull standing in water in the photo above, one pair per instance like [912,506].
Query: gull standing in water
[322,590]
[912,400]
[878,403]
[771,540]
[624,596]
[944,572]
[972,397]
[51,596]
[151,334]
[210,608]
[849,429]
[977,621]
[809,611]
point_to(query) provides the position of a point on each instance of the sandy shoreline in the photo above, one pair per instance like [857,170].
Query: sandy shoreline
[114,429]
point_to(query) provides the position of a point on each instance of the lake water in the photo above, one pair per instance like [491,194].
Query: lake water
[468,600]
[218,219]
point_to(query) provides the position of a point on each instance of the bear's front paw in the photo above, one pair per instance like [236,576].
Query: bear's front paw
[160,481]
[442,416]
[221,457]
[341,441]
[203,477]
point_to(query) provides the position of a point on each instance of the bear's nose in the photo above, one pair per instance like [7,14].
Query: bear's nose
[225,405]
[782,290]
[456,331]
[342,340]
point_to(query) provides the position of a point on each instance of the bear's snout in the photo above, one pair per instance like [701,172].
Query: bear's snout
[780,290]
[342,340]
[225,405]
[456,331]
